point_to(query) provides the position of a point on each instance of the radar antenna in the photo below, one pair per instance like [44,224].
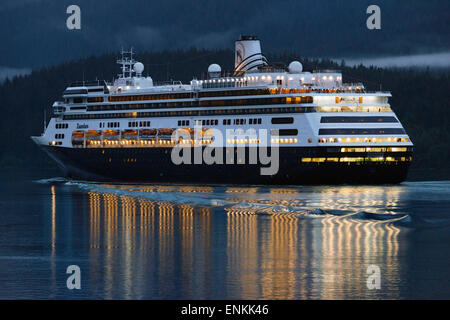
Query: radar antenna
[126,62]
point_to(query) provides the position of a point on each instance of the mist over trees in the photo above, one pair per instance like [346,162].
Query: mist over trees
[420,98]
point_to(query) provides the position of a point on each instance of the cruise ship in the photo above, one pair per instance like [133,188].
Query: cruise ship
[256,124]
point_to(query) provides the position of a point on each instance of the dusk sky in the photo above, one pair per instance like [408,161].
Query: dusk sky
[34,32]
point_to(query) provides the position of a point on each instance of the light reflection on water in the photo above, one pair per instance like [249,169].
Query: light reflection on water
[279,243]
[218,242]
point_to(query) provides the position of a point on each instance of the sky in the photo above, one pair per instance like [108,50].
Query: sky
[34,32]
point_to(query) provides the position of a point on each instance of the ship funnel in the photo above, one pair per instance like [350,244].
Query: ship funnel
[248,54]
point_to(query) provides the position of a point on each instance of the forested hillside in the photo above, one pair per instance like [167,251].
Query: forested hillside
[420,98]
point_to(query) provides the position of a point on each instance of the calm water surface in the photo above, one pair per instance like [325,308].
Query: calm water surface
[221,242]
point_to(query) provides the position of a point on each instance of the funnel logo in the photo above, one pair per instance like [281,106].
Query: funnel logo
[240,52]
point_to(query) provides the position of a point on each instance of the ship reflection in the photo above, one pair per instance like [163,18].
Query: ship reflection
[245,248]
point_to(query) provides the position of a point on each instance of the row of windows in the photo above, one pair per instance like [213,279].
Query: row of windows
[59,136]
[206,122]
[210,122]
[313,109]
[356,119]
[251,92]
[183,123]
[360,140]
[307,99]
[376,149]
[75,91]
[187,95]
[150,97]
[230,84]
[362,131]
[61,125]
[133,124]
[227,122]
[255,121]
[113,124]
[285,140]
[253,141]
[255,101]
[203,103]
[353,109]
[94,99]
[358,159]
[185,113]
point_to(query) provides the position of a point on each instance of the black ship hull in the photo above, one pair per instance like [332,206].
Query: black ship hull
[155,165]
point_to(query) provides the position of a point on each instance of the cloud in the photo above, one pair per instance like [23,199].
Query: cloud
[8,72]
[434,60]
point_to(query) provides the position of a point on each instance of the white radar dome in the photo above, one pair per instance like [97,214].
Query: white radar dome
[214,68]
[295,67]
[138,67]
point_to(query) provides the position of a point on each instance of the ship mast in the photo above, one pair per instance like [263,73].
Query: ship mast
[126,62]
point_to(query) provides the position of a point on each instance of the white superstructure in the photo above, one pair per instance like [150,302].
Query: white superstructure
[297,108]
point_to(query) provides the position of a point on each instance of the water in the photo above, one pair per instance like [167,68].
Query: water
[221,242]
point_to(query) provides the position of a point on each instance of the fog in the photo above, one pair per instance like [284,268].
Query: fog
[7,72]
[433,60]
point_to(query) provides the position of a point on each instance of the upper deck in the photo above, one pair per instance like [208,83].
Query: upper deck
[253,82]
